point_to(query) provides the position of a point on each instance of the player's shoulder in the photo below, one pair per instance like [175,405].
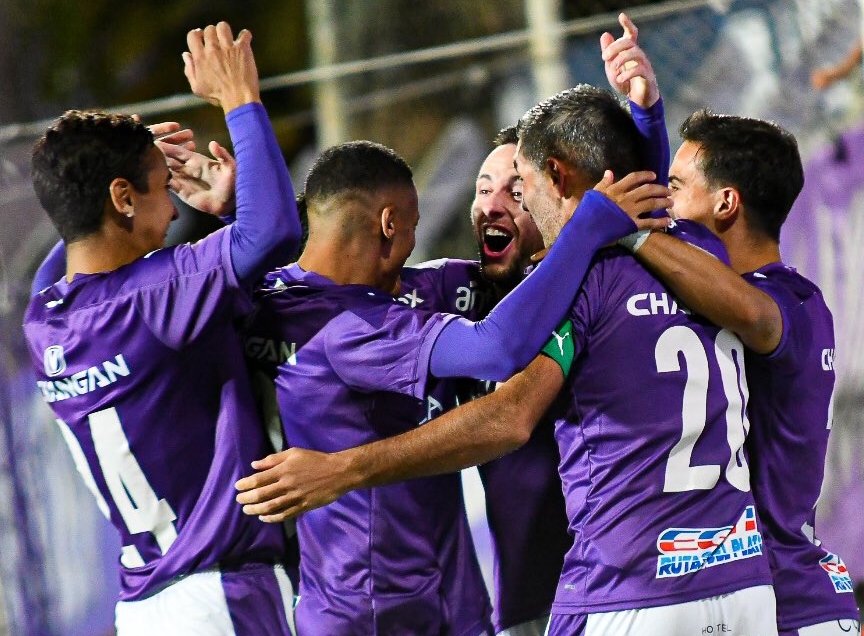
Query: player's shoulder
[440,267]
[783,281]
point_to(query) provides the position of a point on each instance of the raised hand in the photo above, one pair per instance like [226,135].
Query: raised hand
[221,69]
[204,183]
[627,66]
[638,196]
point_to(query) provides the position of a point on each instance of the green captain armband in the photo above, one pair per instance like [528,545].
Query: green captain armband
[560,346]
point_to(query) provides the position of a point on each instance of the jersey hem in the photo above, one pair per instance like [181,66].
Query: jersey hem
[564,607]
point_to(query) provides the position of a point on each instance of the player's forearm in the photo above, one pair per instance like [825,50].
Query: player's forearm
[267,230]
[710,288]
[654,139]
[472,434]
[513,333]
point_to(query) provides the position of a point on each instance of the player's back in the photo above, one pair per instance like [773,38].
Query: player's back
[790,414]
[145,373]
[651,434]
[354,368]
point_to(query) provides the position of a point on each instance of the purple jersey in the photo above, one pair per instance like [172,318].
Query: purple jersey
[158,431]
[791,418]
[651,438]
[528,525]
[524,503]
[351,366]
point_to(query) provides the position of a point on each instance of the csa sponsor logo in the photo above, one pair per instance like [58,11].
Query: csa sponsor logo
[687,550]
[54,361]
[837,572]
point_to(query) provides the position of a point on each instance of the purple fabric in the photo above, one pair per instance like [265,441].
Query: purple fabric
[528,524]
[790,418]
[536,306]
[351,366]
[266,232]
[647,531]
[149,380]
[255,601]
[656,155]
[267,229]
[700,236]
[52,269]
[822,240]
[524,503]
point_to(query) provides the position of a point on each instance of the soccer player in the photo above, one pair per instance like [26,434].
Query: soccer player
[739,177]
[136,352]
[650,428]
[350,365]
[526,516]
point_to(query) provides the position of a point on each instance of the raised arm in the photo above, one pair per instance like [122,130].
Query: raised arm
[630,73]
[298,480]
[222,70]
[712,289]
[511,335]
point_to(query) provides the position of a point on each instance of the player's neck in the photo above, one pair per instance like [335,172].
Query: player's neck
[748,253]
[345,263]
[98,253]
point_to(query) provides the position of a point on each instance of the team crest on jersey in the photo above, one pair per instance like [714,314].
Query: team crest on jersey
[837,572]
[54,361]
[687,550]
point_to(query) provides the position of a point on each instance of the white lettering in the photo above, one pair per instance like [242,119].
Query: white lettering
[654,304]
[828,359]
[85,381]
[269,350]
[465,297]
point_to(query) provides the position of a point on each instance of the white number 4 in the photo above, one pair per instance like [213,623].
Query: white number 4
[136,501]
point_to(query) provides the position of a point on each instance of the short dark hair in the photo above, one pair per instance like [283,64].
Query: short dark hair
[756,157]
[508,135]
[361,167]
[74,163]
[585,126]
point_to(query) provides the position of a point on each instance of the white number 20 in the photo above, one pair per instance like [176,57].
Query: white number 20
[136,501]
[680,475]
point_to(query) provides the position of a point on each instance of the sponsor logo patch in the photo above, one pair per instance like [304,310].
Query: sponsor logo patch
[687,550]
[837,572]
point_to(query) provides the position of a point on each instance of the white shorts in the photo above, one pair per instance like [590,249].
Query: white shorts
[748,612]
[250,601]
[841,627]
[537,627]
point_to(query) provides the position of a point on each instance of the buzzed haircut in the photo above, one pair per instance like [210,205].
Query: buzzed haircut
[585,126]
[361,167]
[757,157]
[74,163]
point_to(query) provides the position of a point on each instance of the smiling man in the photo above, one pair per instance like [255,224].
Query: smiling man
[121,342]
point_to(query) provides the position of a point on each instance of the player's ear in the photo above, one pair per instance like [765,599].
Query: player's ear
[557,172]
[727,206]
[388,226]
[120,195]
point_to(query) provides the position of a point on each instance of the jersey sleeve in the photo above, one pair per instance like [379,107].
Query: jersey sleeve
[654,139]
[513,333]
[266,232]
[397,348]
[795,332]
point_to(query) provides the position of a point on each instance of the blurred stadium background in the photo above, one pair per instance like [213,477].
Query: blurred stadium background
[435,81]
